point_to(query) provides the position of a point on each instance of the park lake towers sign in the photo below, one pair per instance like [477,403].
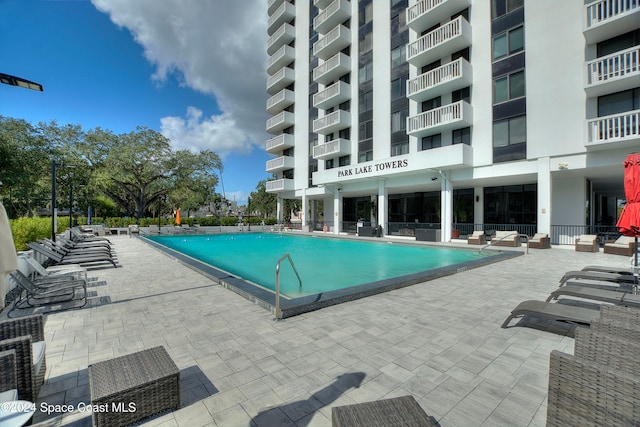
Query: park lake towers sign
[373,169]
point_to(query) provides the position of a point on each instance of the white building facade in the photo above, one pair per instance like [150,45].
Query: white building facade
[453,114]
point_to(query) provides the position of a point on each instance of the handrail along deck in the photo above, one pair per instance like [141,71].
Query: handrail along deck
[287,256]
[491,242]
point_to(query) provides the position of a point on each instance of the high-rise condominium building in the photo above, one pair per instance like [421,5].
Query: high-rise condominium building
[452,114]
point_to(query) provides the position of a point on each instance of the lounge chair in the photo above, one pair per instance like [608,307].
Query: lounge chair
[72,270]
[63,250]
[551,311]
[88,260]
[477,238]
[25,335]
[506,238]
[78,236]
[154,229]
[607,269]
[597,276]
[587,243]
[611,296]
[540,241]
[39,294]
[8,376]
[623,245]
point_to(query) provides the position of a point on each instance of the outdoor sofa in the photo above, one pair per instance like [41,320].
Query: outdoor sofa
[506,238]
[587,243]
[623,245]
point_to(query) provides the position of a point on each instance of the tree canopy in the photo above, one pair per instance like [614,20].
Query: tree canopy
[116,174]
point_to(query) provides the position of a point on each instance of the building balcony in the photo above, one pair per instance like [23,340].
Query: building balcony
[332,149]
[451,37]
[332,69]
[278,144]
[335,40]
[427,13]
[613,73]
[332,95]
[447,78]
[615,131]
[283,35]
[452,116]
[332,122]
[281,79]
[335,13]
[280,122]
[605,19]
[279,185]
[321,4]
[284,13]
[272,5]
[283,57]
[280,101]
[280,163]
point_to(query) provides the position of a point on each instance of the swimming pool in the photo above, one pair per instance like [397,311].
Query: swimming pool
[330,269]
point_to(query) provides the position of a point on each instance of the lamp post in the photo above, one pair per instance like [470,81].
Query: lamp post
[249,211]
[71,184]
[53,200]
[19,81]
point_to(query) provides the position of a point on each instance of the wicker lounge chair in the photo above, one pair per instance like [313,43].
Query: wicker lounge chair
[627,299]
[623,245]
[477,238]
[550,311]
[540,241]
[587,243]
[25,336]
[597,276]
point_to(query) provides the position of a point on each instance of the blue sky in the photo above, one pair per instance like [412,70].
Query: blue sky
[192,70]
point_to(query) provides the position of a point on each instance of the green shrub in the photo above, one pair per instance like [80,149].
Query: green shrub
[26,230]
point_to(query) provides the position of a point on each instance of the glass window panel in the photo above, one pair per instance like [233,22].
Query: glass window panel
[516,40]
[500,93]
[517,130]
[499,46]
[514,4]
[516,85]
[501,133]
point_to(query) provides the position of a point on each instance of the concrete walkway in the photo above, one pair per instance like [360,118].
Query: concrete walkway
[440,341]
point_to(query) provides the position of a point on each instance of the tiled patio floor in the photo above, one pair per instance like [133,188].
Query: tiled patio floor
[440,341]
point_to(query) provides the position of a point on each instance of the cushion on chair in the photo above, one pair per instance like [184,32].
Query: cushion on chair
[38,355]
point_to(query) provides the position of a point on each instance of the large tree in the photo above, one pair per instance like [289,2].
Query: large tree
[263,202]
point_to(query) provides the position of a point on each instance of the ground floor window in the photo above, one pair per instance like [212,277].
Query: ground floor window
[511,204]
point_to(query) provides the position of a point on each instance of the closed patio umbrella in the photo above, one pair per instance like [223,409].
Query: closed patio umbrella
[177,216]
[8,256]
[629,221]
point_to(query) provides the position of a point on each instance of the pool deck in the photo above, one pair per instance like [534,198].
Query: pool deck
[440,341]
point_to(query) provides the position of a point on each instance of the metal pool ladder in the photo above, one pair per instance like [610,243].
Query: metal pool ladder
[287,256]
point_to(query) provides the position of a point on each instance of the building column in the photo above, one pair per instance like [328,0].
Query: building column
[337,210]
[446,210]
[383,211]
[279,206]
[305,206]
[544,196]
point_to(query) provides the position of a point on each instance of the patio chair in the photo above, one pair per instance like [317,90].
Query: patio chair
[8,376]
[51,292]
[134,229]
[63,250]
[597,276]
[627,299]
[623,245]
[558,312]
[540,241]
[506,238]
[154,229]
[477,238]
[608,269]
[587,243]
[614,351]
[25,336]
[87,260]
[90,244]
[79,236]
[72,270]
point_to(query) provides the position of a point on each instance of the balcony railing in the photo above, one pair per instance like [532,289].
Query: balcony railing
[616,128]
[335,13]
[426,13]
[272,5]
[280,163]
[451,37]
[447,78]
[283,57]
[283,35]
[332,122]
[449,116]
[335,40]
[614,68]
[279,143]
[281,79]
[285,13]
[279,185]
[621,14]
[332,69]
[331,149]
[280,101]
[332,95]
[321,4]
[279,122]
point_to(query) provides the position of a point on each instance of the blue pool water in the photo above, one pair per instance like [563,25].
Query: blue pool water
[324,264]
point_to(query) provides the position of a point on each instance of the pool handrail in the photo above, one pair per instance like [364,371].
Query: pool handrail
[526,238]
[278,315]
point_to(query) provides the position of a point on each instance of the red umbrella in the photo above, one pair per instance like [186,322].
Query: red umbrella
[629,221]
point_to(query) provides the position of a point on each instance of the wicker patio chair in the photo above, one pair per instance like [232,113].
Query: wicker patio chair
[25,336]
[8,376]
[587,243]
[477,238]
[540,241]
[616,352]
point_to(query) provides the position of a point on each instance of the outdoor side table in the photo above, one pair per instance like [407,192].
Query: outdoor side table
[129,388]
[396,412]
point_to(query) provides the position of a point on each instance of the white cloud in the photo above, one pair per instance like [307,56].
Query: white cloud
[215,47]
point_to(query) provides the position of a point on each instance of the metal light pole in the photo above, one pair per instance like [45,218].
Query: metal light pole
[249,211]
[53,200]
